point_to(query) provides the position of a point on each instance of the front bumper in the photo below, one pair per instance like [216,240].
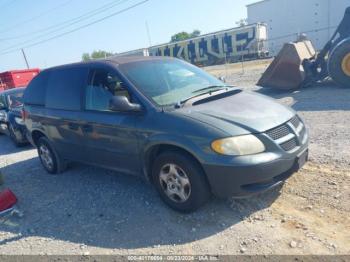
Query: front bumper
[245,180]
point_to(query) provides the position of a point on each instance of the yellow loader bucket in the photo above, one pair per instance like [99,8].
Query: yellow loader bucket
[286,70]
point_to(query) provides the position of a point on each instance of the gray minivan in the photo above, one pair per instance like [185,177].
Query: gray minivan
[168,121]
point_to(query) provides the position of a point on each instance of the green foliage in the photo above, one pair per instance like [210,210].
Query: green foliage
[242,22]
[96,54]
[184,35]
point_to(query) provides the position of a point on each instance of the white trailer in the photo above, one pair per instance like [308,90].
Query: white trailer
[286,19]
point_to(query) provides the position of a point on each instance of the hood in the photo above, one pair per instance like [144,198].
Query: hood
[241,113]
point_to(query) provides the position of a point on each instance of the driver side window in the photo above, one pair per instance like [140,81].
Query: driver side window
[102,86]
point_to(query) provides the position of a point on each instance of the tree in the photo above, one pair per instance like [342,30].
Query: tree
[242,22]
[184,35]
[96,54]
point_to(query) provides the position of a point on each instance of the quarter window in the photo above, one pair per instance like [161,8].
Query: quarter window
[64,88]
[36,91]
[102,86]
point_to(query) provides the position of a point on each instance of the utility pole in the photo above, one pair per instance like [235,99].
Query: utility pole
[25,58]
[148,34]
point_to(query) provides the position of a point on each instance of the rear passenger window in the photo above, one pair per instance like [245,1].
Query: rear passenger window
[35,93]
[65,87]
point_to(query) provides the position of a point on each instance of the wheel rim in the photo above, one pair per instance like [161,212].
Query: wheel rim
[346,64]
[46,157]
[175,183]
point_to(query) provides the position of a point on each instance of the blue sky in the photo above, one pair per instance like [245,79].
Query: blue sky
[126,31]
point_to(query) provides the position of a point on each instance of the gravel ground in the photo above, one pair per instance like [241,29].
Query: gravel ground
[89,210]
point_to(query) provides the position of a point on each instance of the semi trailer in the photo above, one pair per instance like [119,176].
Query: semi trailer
[226,46]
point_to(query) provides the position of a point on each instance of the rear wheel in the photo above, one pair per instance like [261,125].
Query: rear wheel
[49,158]
[339,64]
[180,181]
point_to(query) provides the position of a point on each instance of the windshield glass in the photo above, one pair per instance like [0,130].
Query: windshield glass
[15,99]
[166,82]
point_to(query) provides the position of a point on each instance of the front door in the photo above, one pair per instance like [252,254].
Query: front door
[111,137]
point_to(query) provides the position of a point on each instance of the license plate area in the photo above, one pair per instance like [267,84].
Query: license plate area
[302,159]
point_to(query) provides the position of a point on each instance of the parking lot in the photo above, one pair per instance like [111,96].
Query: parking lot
[89,210]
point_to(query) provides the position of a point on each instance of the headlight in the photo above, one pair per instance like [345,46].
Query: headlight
[238,146]
[19,121]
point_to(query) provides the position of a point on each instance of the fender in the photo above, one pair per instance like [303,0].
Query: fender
[169,140]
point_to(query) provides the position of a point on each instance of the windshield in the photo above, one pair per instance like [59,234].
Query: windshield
[15,99]
[166,82]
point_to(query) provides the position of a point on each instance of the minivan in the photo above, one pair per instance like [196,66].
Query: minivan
[185,131]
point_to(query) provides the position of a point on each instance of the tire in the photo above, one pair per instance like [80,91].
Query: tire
[47,154]
[187,170]
[13,136]
[339,64]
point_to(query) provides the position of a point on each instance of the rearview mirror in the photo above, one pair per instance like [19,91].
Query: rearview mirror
[222,79]
[122,104]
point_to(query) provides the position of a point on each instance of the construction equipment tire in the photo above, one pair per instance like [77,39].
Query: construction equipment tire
[339,64]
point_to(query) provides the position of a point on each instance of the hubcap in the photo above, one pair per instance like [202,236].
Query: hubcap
[45,156]
[175,183]
[346,64]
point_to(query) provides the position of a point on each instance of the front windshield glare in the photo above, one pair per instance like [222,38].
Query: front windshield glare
[166,82]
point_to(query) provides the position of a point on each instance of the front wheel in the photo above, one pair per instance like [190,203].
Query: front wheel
[180,181]
[339,64]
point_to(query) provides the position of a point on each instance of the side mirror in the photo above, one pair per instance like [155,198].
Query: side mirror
[122,104]
[2,106]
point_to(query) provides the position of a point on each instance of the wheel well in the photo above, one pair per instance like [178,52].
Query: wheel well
[36,135]
[156,150]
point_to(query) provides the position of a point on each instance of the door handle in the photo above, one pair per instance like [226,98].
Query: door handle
[87,128]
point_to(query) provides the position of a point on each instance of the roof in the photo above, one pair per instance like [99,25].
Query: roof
[259,2]
[130,59]
[114,60]
[12,90]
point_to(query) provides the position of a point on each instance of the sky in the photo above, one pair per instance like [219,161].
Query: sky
[26,22]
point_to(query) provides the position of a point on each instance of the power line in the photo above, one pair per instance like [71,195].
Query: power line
[79,28]
[24,22]
[75,21]
[68,22]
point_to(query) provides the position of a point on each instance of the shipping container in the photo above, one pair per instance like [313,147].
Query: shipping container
[17,78]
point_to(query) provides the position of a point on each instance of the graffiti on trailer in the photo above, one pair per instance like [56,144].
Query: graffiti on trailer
[210,48]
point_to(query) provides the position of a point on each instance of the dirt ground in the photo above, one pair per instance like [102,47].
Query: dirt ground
[88,210]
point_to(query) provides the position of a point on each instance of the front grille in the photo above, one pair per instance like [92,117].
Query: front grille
[290,135]
[295,121]
[278,132]
[289,145]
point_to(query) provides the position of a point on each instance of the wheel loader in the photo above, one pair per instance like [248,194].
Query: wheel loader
[299,65]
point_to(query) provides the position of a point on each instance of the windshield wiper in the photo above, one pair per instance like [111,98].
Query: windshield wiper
[216,87]
[180,103]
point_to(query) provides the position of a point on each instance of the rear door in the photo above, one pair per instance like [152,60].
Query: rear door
[63,112]
[111,136]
